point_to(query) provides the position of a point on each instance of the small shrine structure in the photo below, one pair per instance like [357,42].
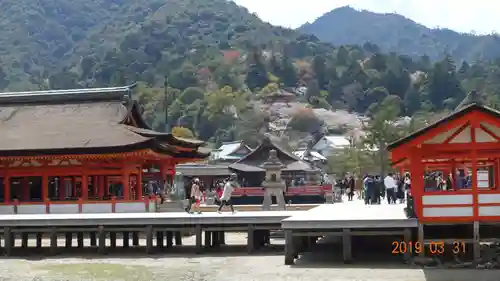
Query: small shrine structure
[454,165]
[250,166]
[82,151]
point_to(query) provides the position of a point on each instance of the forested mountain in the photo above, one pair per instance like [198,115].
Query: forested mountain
[395,33]
[211,67]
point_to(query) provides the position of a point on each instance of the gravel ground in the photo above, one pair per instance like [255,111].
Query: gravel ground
[223,268]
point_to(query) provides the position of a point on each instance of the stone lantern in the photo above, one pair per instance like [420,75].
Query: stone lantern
[273,184]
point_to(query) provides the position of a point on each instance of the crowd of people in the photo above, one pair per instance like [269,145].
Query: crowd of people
[393,187]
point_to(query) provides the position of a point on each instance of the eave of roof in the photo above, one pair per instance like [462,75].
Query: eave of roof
[461,112]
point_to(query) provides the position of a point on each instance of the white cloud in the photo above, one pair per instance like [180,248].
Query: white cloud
[464,16]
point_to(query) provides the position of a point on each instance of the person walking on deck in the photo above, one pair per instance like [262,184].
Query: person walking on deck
[226,194]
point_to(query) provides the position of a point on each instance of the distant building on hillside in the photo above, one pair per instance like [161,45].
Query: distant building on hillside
[310,156]
[280,96]
[230,152]
[329,144]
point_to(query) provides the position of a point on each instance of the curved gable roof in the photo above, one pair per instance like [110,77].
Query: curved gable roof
[77,121]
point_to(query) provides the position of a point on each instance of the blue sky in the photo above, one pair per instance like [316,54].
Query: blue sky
[481,16]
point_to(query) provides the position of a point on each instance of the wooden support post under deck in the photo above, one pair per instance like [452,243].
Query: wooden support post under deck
[93,239]
[222,238]
[126,239]
[346,245]
[251,238]
[69,238]
[39,236]
[170,239]
[208,239]
[149,239]
[79,239]
[101,235]
[24,240]
[476,244]
[407,240]
[8,240]
[112,239]
[135,238]
[178,238]
[215,239]
[421,238]
[198,233]
[290,250]
[160,239]
[53,241]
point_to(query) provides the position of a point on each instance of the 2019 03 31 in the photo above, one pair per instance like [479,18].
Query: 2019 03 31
[434,247]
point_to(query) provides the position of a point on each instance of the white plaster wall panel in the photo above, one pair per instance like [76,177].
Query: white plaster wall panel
[447,199]
[489,198]
[31,209]
[440,138]
[6,209]
[130,207]
[482,136]
[463,137]
[489,211]
[63,208]
[448,212]
[97,208]
[492,128]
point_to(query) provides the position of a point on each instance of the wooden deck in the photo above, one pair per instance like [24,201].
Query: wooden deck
[353,214]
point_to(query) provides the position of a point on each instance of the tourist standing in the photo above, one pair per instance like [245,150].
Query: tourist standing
[226,194]
[390,187]
[195,200]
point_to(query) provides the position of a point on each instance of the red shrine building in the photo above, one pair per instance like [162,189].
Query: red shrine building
[82,151]
[455,165]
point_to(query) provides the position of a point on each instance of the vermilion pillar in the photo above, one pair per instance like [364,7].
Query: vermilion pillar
[6,189]
[126,185]
[45,188]
[85,186]
[100,187]
[26,189]
[139,185]
[95,187]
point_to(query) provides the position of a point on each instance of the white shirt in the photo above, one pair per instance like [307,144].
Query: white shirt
[389,182]
[228,190]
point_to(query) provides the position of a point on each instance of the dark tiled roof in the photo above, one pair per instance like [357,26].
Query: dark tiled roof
[461,111]
[260,154]
[76,121]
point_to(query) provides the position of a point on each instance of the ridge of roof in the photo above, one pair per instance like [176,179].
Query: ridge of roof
[472,97]
[67,96]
